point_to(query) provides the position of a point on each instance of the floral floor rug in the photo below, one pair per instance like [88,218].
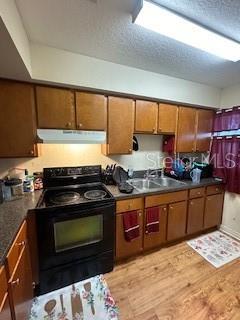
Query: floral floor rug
[86,300]
[216,247]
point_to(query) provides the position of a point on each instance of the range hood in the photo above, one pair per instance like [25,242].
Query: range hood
[71,136]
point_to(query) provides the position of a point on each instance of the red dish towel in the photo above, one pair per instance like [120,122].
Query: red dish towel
[131,225]
[168,144]
[152,220]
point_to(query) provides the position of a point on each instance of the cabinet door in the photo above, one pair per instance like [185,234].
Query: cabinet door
[146,116]
[195,215]
[167,118]
[155,239]
[55,108]
[5,312]
[186,129]
[177,219]
[125,248]
[213,210]
[204,130]
[17,120]
[120,125]
[21,286]
[91,111]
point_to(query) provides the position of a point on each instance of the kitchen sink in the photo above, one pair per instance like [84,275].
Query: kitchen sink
[154,183]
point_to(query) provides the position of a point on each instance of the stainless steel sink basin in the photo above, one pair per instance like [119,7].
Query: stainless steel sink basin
[154,183]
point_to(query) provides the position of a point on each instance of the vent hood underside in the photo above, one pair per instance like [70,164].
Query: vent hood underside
[71,136]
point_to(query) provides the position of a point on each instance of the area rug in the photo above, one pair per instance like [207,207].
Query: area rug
[216,247]
[85,300]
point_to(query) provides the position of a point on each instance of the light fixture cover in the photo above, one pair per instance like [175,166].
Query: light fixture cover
[169,24]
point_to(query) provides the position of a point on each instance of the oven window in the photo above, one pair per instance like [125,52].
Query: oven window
[78,232]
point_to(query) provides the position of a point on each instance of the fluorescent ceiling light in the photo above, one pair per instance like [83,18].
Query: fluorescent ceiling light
[169,24]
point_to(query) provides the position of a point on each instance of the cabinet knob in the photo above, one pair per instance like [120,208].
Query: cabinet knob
[217,189]
[68,125]
[130,150]
[159,129]
[20,244]
[199,193]
[140,213]
[164,209]
[171,207]
[79,125]
[129,206]
[191,203]
[15,282]
[192,149]
[31,152]
[146,232]
[153,129]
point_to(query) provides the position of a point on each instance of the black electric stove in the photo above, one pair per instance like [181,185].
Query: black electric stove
[75,220]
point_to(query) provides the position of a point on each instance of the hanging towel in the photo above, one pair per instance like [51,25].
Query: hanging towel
[152,220]
[131,225]
[168,144]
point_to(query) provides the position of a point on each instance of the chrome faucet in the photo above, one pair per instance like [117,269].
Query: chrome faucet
[154,173]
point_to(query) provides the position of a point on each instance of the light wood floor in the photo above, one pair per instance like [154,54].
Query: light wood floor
[176,283]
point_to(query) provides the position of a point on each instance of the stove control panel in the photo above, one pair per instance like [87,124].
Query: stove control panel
[71,171]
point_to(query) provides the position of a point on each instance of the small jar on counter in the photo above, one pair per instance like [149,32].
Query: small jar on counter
[13,188]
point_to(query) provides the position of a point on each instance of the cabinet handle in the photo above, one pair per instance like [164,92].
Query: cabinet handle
[217,189]
[170,207]
[31,152]
[79,125]
[129,150]
[140,213]
[191,203]
[15,282]
[20,244]
[146,232]
[129,206]
[68,125]
[164,209]
[199,193]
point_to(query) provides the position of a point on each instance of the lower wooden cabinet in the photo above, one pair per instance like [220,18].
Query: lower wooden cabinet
[126,248]
[20,286]
[177,219]
[5,312]
[155,239]
[195,215]
[213,210]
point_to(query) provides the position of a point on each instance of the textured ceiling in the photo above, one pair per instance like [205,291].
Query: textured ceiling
[103,29]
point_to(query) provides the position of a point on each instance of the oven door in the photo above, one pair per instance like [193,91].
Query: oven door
[70,233]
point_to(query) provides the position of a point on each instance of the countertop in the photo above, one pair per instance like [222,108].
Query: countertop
[12,214]
[188,185]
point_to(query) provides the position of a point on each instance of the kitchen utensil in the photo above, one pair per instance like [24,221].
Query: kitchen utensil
[88,287]
[49,308]
[63,315]
[76,303]
[195,174]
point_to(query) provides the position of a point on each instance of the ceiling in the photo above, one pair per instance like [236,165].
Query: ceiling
[103,29]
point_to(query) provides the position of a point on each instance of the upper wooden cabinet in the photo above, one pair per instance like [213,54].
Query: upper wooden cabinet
[204,129]
[55,108]
[120,126]
[91,111]
[167,118]
[186,131]
[17,120]
[146,116]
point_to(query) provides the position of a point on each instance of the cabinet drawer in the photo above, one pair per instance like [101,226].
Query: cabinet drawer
[3,284]
[196,193]
[16,248]
[156,200]
[129,205]
[215,189]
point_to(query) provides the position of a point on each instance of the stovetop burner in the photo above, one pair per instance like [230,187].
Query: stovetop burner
[95,194]
[65,197]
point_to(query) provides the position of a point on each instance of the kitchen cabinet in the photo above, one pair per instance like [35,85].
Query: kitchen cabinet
[195,215]
[177,219]
[120,126]
[186,131]
[55,108]
[21,286]
[146,116]
[167,118]
[213,210]
[17,120]
[204,129]
[91,111]
[126,248]
[5,311]
[155,239]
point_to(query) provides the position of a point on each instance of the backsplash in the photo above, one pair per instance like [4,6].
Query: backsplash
[150,155]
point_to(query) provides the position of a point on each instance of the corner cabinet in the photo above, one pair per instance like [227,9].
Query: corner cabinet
[55,108]
[17,120]
[119,126]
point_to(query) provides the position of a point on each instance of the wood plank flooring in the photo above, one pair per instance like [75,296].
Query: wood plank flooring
[176,283]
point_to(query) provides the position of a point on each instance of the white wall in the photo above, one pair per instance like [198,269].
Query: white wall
[230,96]
[12,20]
[148,156]
[49,64]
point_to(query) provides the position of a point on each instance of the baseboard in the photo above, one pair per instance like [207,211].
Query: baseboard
[230,232]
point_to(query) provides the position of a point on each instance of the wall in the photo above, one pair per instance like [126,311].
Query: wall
[149,156]
[230,96]
[59,66]
[12,20]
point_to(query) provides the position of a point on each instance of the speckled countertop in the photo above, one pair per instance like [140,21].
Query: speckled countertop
[12,214]
[188,185]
